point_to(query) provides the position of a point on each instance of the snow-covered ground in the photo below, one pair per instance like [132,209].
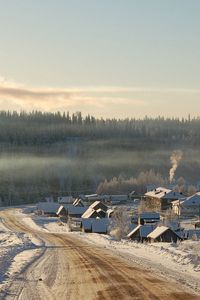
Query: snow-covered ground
[16,249]
[180,261]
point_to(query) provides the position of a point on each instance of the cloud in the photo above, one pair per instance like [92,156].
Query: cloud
[15,96]
[19,97]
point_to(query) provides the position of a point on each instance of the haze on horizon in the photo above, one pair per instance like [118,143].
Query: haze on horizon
[107,58]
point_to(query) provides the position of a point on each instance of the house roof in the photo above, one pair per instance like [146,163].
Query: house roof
[149,215]
[164,193]
[48,207]
[134,231]
[143,230]
[193,200]
[76,210]
[78,202]
[119,197]
[98,204]
[157,232]
[88,213]
[65,199]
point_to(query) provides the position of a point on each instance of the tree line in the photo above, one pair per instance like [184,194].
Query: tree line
[39,128]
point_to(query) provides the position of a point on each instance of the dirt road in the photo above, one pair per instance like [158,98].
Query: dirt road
[71,269]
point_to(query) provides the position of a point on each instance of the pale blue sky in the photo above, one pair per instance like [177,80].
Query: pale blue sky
[153,45]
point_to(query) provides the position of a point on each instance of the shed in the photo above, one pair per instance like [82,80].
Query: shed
[163,234]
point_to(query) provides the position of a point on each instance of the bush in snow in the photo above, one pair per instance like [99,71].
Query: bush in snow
[119,224]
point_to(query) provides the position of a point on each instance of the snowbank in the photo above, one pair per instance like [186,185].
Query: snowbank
[15,250]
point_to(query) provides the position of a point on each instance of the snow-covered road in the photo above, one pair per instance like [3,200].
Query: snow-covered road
[63,266]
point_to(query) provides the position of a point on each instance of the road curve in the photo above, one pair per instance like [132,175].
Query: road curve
[72,269]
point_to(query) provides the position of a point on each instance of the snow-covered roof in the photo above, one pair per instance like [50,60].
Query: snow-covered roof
[97,205]
[193,200]
[134,231]
[149,215]
[76,210]
[164,193]
[48,207]
[65,199]
[119,197]
[157,232]
[89,213]
[143,230]
[78,202]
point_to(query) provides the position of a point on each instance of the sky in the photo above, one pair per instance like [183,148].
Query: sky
[108,58]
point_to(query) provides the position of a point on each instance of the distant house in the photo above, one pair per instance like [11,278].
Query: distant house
[140,232]
[99,205]
[162,197]
[96,210]
[189,206]
[76,211]
[147,217]
[90,213]
[63,210]
[71,211]
[90,198]
[192,204]
[78,202]
[95,225]
[163,234]
[65,200]
[48,208]
[118,199]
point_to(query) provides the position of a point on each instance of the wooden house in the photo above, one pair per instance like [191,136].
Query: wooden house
[162,197]
[48,208]
[140,232]
[163,234]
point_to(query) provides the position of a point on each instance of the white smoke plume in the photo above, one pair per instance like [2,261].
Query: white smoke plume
[175,160]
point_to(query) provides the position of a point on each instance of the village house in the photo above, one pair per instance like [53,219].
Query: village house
[95,225]
[48,208]
[146,218]
[140,232]
[118,199]
[162,197]
[65,200]
[163,234]
[67,211]
[78,202]
[189,206]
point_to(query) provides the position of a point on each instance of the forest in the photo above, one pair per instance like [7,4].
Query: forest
[44,154]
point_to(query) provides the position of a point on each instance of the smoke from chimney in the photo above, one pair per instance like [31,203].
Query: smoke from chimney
[175,160]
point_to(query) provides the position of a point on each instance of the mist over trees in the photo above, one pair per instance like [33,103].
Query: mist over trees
[45,154]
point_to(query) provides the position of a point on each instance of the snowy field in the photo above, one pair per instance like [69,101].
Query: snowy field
[178,261]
